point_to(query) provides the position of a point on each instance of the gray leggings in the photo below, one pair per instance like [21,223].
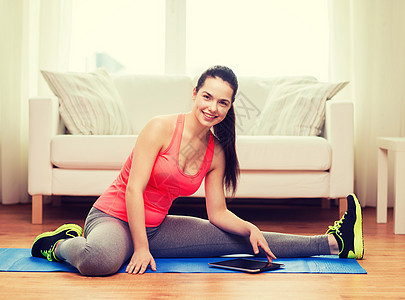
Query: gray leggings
[107,243]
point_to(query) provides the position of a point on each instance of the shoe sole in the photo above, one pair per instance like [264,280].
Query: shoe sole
[73,227]
[358,230]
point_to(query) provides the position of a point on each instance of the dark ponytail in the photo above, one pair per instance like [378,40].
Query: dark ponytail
[225,131]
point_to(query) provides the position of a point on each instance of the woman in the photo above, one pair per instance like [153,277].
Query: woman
[172,155]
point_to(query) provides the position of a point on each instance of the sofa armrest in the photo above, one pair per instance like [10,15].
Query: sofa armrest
[339,131]
[44,123]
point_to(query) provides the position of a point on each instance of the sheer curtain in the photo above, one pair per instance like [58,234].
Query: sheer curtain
[368,48]
[33,36]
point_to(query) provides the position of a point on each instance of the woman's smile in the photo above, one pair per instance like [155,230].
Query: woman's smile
[208,116]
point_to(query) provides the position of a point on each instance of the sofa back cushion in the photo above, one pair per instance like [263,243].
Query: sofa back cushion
[89,103]
[147,96]
[251,99]
[295,106]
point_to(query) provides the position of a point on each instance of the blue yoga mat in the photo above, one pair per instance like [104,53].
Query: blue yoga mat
[20,260]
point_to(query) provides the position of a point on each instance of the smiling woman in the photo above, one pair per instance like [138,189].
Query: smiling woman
[217,87]
[133,212]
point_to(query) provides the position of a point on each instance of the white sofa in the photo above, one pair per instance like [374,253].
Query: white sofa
[271,166]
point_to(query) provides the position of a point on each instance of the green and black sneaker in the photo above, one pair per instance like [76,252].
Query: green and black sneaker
[348,231]
[45,243]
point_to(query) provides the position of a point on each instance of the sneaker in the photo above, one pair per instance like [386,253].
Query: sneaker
[45,243]
[348,231]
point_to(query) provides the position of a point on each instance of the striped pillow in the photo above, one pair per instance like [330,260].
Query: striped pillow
[295,107]
[89,103]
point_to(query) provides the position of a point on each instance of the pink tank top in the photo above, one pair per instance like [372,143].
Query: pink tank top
[167,182]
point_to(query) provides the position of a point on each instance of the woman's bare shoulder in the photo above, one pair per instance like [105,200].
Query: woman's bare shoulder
[162,124]
[160,130]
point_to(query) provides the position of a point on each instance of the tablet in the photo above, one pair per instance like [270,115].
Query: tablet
[246,265]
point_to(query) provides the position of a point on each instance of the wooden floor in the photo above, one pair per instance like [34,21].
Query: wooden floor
[384,261]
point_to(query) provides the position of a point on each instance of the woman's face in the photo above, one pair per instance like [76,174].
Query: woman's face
[212,101]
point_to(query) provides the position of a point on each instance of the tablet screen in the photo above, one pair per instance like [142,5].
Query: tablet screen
[246,265]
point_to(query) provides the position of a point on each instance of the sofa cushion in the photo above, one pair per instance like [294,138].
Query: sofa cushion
[95,152]
[254,152]
[295,107]
[89,102]
[251,99]
[146,96]
[283,153]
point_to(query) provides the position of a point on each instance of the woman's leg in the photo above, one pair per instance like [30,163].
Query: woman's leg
[106,245]
[181,236]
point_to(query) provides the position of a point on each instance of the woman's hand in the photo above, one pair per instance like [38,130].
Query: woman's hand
[140,261]
[257,240]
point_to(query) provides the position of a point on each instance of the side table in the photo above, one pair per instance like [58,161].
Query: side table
[395,146]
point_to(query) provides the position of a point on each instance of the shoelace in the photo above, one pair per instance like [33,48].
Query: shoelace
[48,253]
[337,224]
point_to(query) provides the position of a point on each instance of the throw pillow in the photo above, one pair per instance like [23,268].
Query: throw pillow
[89,103]
[295,107]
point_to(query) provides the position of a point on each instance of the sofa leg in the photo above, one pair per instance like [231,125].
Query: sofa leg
[37,209]
[342,206]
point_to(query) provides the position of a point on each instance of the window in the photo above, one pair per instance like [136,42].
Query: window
[122,35]
[259,37]
[256,37]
